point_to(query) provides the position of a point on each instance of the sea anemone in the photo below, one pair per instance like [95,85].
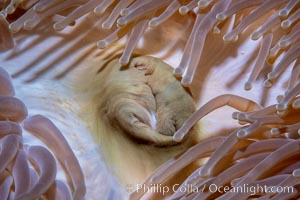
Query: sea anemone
[262,151]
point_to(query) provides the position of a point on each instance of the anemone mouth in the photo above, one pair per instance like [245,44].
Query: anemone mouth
[148,103]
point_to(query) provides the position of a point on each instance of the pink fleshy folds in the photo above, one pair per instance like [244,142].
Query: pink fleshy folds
[29,172]
[45,130]
[6,88]
[45,163]
[12,109]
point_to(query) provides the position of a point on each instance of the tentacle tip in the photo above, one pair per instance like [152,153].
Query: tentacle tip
[221,16]
[183,10]
[58,26]
[186,81]
[284,43]
[177,138]
[102,44]
[230,38]
[275,132]
[124,61]
[255,35]
[242,116]
[37,8]
[242,133]
[216,30]
[122,22]
[279,98]
[153,23]
[178,72]
[106,26]
[248,86]
[13,28]
[242,123]
[267,83]
[272,75]
[235,115]
[234,182]
[124,12]
[3,14]
[203,3]
[296,173]
[153,179]
[281,107]
[283,13]
[204,172]
[296,104]
[286,24]
[29,25]
[10,9]
[98,11]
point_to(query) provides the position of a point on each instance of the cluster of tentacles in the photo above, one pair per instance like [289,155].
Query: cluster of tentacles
[262,154]
[30,172]
[131,18]
[265,150]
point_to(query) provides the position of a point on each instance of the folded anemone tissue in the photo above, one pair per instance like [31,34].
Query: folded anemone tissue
[149,99]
